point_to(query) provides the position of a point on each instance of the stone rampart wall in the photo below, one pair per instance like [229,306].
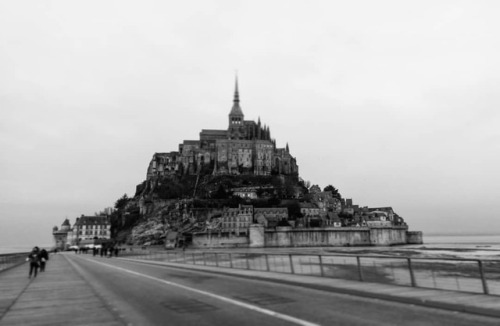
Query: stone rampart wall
[414,237]
[317,237]
[386,236]
[219,240]
[259,237]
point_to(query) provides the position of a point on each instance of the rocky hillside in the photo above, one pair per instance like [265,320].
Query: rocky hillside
[190,203]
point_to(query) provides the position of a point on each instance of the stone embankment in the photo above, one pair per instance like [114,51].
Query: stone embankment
[258,237]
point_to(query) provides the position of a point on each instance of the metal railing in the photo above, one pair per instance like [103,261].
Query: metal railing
[11,260]
[468,275]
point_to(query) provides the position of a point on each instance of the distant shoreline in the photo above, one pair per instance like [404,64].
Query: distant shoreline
[429,239]
[461,234]
[21,249]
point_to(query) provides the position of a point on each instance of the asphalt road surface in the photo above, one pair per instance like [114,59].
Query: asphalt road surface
[146,294]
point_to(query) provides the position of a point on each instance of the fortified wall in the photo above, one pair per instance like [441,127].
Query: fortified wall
[415,237]
[258,237]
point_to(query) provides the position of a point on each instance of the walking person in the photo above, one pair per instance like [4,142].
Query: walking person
[34,260]
[44,257]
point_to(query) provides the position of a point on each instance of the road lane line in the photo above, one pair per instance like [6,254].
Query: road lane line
[216,296]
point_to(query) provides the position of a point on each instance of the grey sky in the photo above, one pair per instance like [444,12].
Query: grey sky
[393,102]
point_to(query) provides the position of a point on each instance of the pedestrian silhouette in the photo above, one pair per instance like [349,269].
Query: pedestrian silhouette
[44,257]
[34,260]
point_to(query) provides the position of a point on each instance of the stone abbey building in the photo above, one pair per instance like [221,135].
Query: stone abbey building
[245,147]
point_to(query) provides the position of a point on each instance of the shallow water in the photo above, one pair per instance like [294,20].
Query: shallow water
[18,249]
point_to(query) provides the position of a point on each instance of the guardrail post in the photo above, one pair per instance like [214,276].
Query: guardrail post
[267,262]
[360,272]
[216,260]
[230,260]
[204,259]
[248,262]
[412,275]
[322,271]
[291,264]
[483,279]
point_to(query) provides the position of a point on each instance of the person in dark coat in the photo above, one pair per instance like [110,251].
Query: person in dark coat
[34,260]
[44,257]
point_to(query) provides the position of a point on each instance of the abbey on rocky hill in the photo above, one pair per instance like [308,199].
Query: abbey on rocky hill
[246,147]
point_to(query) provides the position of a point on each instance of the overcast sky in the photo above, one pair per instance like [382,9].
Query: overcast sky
[396,103]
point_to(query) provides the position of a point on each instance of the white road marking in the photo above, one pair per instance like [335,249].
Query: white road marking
[216,296]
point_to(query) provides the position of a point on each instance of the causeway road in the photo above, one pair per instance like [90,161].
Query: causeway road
[86,290]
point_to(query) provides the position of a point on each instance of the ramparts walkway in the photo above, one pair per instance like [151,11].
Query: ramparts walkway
[62,295]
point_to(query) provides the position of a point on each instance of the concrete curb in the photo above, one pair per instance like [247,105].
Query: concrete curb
[278,278]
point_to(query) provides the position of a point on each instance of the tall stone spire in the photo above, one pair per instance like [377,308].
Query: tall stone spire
[236,115]
[236,92]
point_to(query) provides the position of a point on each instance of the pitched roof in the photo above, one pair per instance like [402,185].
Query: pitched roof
[387,209]
[214,132]
[92,220]
[377,212]
[307,205]
[236,110]
[271,210]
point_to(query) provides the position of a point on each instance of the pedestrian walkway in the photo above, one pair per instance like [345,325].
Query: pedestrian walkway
[58,296]
[480,304]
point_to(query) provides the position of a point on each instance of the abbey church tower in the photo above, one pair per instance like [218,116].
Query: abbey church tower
[245,147]
[236,129]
